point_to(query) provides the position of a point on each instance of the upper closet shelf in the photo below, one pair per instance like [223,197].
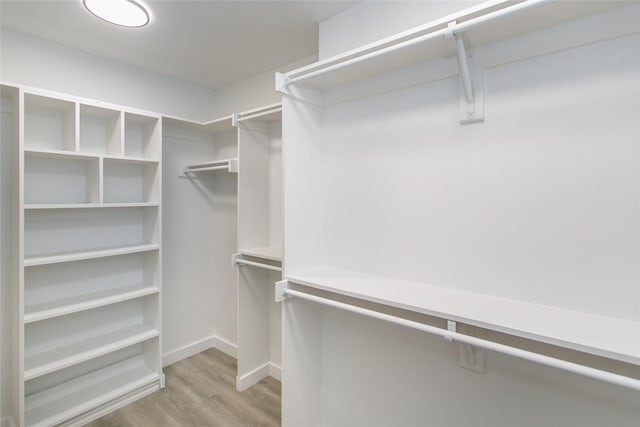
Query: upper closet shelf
[609,337]
[269,113]
[227,165]
[486,23]
[221,125]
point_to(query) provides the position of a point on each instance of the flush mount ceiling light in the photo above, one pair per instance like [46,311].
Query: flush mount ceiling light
[127,13]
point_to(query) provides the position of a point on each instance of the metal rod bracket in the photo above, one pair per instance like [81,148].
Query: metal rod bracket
[471,86]
[280,293]
[282,81]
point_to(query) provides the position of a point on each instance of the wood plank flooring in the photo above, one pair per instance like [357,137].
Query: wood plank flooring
[200,391]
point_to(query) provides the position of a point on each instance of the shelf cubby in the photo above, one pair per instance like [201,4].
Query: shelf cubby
[49,123]
[130,181]
[53,290]
[76,231]
[142,136]
[100,130]
[60,396]
[56,178]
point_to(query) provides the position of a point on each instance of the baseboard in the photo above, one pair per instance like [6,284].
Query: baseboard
[226,346]
[275,371]
[247,380]
[267,370]
[188,350]
[196,347]
[7,422]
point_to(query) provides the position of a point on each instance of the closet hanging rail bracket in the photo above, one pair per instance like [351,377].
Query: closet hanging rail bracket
[471,85]
[282,81]
[469,356]
[280,290]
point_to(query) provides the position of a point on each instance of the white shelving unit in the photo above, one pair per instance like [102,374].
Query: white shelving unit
[393,205]
[259,257]
[89,274]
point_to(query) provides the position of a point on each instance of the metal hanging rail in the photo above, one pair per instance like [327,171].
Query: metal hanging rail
[210,168]
[453,29]
[241,117]
[451,336]
[257,264]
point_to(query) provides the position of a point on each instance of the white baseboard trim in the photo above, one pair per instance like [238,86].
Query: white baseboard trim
[188,350]
[268,369]
[275,371]
[247,380]
[7,422]
[226,346]
[196,347]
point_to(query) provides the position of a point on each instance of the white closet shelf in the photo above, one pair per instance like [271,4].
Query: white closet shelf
[61,307]
[134,160]
[221,125]
[483,24]
[78,256]
[54,359]
[59,154]
[590,333]
[228,165]
[90,205]
[69,399]
[271,253]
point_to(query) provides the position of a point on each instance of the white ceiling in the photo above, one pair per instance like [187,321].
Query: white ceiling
[208,43]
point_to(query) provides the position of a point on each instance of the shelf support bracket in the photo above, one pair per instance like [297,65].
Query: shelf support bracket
[469,356]
[471,98]
[281,286]
[281,83]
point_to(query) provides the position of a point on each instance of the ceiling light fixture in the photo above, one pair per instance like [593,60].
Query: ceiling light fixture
[127,13]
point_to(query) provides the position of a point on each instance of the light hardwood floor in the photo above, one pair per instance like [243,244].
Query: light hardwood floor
[200,391]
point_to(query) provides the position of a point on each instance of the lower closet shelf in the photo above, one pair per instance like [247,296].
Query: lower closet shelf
[37,312]
[610,337]
[72,398]
[55,359]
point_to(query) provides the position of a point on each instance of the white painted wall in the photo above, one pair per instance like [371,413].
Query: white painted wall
[538,203]
[255,92]
[38,63]
[370,21]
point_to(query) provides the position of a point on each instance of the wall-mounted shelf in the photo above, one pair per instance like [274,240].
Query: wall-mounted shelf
[91,205]
[271,253]
[604,336]
[482,25]
[227,165]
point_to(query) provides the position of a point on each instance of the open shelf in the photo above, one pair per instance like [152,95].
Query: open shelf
[89,348]
[78,256]
[127,181]
[100,130]
[429,41]
[604,336]
[142,136]
[71,398]
[52,177]
[226,165]
[269,253]
[77,303]
[49,123]
[90,205]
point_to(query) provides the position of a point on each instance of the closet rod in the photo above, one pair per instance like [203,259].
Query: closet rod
[258,264]
[451,336]
[454,28]
[259,114]
[210,168]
